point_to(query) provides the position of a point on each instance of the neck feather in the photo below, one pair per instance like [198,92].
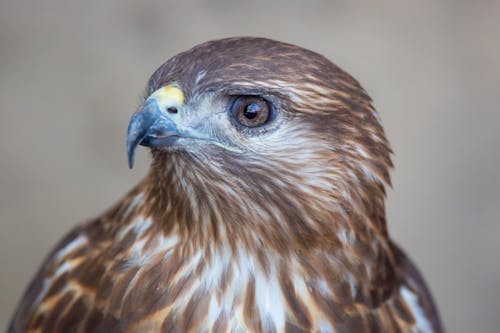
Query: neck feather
[266,217]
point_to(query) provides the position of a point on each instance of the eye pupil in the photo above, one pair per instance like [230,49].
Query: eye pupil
[252,110]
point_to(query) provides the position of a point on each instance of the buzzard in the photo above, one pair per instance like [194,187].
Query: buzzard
[263,210]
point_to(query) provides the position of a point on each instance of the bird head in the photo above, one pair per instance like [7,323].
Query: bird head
[257,132]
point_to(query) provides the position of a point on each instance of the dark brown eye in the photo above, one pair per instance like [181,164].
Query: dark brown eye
[251,111]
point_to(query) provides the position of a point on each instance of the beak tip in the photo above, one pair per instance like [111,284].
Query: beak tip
[131,146]
[132,142]
[137,130]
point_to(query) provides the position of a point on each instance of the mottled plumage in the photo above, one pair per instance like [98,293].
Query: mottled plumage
[274,228]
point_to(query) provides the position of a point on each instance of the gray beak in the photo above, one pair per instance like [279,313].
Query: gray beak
[150,127]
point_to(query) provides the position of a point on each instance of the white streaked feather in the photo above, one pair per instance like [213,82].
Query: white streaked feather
[142,225]
[76,243]
[422,323]
[137,199]
[325,327]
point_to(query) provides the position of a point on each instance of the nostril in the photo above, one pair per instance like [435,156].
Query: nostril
[172,109]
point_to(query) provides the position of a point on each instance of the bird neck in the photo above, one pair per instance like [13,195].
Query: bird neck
[210,214]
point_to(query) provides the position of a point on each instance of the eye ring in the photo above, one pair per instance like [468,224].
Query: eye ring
[251,111]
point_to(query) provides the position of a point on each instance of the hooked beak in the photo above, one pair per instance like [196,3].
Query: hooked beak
[153,125]
[150,127]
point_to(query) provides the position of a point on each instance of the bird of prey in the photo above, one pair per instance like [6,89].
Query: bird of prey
[263,210]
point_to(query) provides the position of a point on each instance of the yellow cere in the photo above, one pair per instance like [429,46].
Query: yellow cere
[168,96]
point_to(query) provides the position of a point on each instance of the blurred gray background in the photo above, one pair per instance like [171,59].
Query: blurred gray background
[71,73]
